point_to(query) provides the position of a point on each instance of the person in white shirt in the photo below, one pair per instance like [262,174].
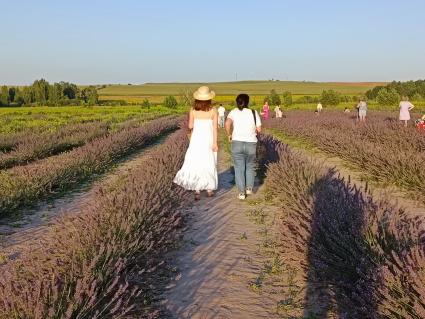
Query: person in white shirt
[319,107]
[278,112]
[242,126]
[221,115]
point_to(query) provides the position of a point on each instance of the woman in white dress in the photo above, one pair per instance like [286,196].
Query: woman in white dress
[199,170]
[405,108]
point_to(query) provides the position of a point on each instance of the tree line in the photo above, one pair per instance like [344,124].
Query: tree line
[392,92]
[327,98]
[41,92]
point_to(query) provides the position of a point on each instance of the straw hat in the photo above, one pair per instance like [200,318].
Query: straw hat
[203,94]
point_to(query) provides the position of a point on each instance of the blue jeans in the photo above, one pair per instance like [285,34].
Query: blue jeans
[244,154]
[221,121]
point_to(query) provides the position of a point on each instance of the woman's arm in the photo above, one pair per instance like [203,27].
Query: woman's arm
[411,107]
[191,119]
[228,126]
[215,125]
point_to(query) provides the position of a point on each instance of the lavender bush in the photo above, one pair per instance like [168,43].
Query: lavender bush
[24,185]
[389,153]
[81,267]
[40,145]
[361,257]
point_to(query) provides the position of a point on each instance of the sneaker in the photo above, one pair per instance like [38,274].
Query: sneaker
[249,191]
[241,196]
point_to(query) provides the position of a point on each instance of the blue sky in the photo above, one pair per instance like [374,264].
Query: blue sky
[129,41]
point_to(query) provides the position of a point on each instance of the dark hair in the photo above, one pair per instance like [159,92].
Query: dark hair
[242,101]
[202,105]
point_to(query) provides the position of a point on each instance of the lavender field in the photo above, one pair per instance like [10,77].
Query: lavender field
[107,250]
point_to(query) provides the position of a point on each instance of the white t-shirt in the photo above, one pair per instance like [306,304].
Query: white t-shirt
[319,106]
[221,111]
[244,129]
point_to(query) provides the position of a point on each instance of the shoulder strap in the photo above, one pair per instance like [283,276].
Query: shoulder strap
[255,117]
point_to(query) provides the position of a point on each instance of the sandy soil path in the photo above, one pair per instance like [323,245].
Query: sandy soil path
[219,259]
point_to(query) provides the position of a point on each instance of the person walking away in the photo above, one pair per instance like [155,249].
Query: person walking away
[362,107]
[266,111]
[405,108]
[199,170]
[242,126]
[278,112]
[221,115]
[319,107]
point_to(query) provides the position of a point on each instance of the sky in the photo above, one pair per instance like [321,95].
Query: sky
[138,41]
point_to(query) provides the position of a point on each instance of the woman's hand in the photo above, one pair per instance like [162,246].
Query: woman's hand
[215,148]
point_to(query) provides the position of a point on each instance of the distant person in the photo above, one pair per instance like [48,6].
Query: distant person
[319,107]
[278,112]
[405,108]
[362,107]
[242,126]
[199,170]
[221,115]
[420,123]
[266,111]
[347,110]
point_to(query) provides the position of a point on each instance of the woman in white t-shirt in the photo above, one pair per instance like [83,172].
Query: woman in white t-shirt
[242,126]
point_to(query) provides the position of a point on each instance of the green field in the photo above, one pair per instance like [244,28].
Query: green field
[232,88]
[16,119]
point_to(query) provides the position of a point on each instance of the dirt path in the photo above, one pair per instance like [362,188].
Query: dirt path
[17,232]
[220,261]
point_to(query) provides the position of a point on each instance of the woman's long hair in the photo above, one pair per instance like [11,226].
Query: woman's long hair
[242,101]
[202,105]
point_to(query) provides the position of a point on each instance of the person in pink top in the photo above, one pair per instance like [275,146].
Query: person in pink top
[405,108]
[266,111]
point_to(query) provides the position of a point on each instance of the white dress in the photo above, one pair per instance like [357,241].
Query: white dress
[199,170]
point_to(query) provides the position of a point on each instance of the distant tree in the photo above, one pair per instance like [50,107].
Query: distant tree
[186,97]
[387,97]
[69,90]
[287,98]
[146,104]
[41,91]
[4,96]
[55,94]
[28,95]
[417,97]
[12,94]
[170,102]
[329,98]
[273,98]
[89,95]
[18,99]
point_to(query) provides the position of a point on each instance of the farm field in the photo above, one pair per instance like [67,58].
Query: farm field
[226,91]
[234,88]
[117,231]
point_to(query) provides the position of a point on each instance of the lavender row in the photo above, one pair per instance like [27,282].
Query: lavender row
[24,147]
[363,257]
[40,145]
[382,148]
[25,185]
[85,265]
